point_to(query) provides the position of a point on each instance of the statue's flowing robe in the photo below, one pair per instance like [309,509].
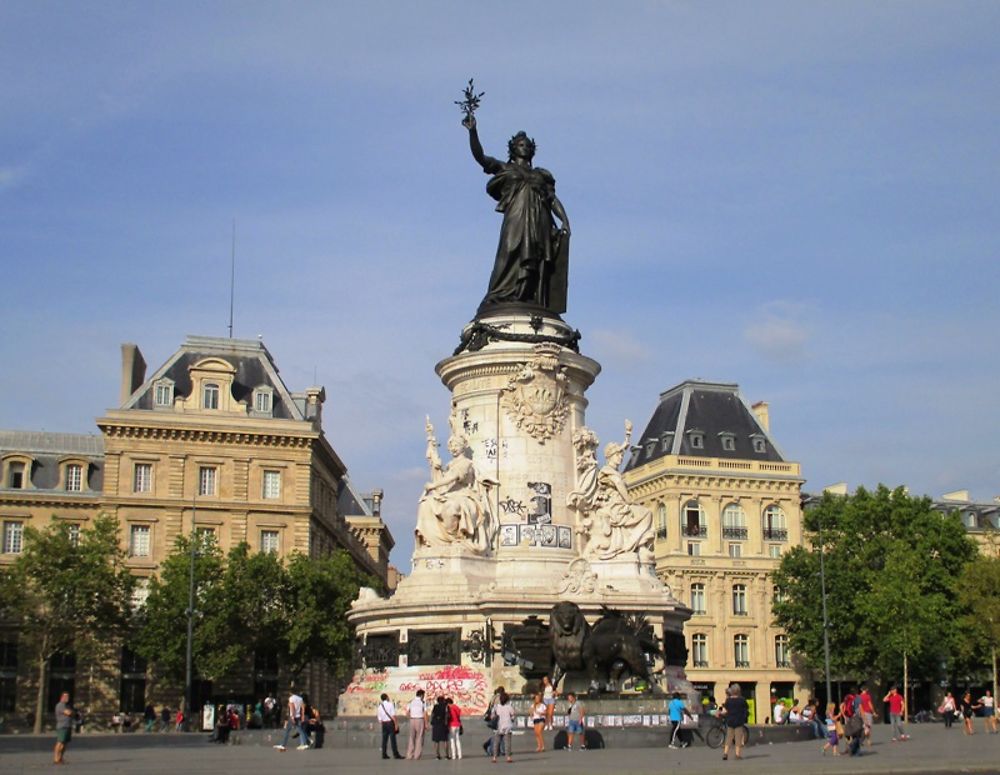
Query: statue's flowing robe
[532,259]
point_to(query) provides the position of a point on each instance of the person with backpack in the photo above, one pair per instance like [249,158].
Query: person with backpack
[854,724]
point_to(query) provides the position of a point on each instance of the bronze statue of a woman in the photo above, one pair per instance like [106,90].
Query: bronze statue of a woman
[532,261]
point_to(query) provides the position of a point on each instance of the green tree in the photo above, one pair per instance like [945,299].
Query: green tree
[979,592]
[320,592]
[67,595]
[891,564]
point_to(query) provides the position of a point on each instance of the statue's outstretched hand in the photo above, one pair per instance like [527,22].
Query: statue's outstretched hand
[469,122]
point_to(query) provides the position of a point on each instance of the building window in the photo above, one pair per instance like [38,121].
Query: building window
[163,393]
[666,442]
[741,650]
[650,447]
[142,477]
[15,476]
[735,550]
[728,442]
[779,594]
[206,535]
[661,521]
[699,650]
[781,655]
[739,599]
[269,541]
[759,445]
[138,541]
[13,537]
[74,477]
[132,691]
[774,524]
[693,520]
[969,519]
[263,400]
[698,598]
[206,480]
[694,548]
[734,522]
[140,593]
[697,439]
[774,551]
[272,485]
[210,396]
[73,533]
[8,677]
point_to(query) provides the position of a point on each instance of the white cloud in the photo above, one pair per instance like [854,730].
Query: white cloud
[779,333]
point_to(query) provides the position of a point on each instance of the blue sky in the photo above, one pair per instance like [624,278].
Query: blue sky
[798,197]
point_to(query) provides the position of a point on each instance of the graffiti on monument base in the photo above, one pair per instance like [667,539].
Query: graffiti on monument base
[469,687]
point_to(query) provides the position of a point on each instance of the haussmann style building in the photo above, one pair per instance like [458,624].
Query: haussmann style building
[727,504]
[214,442]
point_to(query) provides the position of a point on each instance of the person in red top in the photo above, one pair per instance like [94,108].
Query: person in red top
[454,730]
[895,701]
[867,713]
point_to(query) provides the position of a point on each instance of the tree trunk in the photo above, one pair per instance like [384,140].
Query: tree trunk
[906,686]
[40,696]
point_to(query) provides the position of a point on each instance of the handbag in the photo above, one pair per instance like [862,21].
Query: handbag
[395,724]
[854,725]
[461,729]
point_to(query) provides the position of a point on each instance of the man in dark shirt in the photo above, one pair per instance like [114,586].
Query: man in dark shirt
[64,726]
[735,711]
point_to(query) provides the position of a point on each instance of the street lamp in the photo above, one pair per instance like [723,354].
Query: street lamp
[188,688]
[826,623]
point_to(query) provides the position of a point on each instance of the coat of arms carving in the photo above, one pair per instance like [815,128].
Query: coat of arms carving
[535,398]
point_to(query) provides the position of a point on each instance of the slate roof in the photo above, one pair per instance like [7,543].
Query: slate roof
[251,359]
[48,449]
[714,409]
[349,502]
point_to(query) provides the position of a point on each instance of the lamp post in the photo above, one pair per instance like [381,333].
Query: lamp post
[826,623]
[188,687]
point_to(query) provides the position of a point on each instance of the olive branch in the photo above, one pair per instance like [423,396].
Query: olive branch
[470,104]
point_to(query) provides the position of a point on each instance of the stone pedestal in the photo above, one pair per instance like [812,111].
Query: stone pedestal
[517,397]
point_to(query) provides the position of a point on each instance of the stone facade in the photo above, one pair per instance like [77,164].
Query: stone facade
[726,506]
[212,441]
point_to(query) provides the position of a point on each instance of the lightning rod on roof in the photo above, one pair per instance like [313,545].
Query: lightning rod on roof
[232,280]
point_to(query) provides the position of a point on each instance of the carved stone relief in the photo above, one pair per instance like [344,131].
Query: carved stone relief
[535,398]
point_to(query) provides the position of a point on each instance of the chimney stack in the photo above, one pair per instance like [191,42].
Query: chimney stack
[957,495]
[315,396]
[133,371]
[760,409]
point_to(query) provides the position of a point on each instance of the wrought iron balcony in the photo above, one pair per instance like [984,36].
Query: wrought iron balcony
[740,663]
[695,531]
[734,532]
[775,534]
[701,663]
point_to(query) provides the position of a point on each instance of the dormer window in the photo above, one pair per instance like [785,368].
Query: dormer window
[728,441]
[163,393]
[696,439]
[969,519]
[666,442]
[759,444]
[210,396]
[650,447]
[263,400]
[16,479]
[74,477]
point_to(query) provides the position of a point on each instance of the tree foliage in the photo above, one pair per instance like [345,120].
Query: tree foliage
[979,593]
[67,595]
[892,563]
[245,602]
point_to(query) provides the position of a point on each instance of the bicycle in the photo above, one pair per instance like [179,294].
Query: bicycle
[716,734]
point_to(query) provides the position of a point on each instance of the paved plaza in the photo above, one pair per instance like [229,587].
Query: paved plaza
[932,750]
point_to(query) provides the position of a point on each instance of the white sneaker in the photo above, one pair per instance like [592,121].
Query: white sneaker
[279,748]
[303,747]
[675,747]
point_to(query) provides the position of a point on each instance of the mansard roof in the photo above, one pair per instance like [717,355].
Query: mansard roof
[711,411]
[253,364]
[50,450]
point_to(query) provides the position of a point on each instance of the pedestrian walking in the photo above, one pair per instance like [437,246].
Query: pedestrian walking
[947,709]
[455,730]
[988,712]
[503,711]
[386,716]
[439,727]
[968,710]
[677,711]
[854,724]
[149,717]
[832,735]
[164,719]
[735,713]
[416,713]
[296,717]
[64,727]
[868,714]
[574,722]
[895,702]
[179,720]
[539,711]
